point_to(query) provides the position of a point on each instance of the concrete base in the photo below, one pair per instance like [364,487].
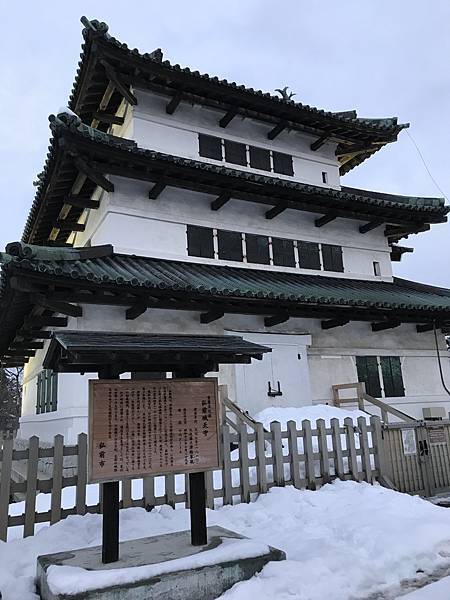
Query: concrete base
[187,579]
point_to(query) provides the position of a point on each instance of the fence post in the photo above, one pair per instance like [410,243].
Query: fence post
[260,447]
[351,448]
[148,487]
[81,475]
[5,486]
[209,485]
[337,448]
[378,444]
[293,452]
[365,449]
[309,455]
[30,498]
[277,454]
[58,461]
[243,463]
[227,483]
[126,493]
[323,450]
[169,488]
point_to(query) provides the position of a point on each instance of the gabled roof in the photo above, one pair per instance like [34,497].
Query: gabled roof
[73,140]
[32,277]
[357,138]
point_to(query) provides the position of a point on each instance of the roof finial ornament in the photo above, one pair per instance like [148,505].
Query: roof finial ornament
[287,96]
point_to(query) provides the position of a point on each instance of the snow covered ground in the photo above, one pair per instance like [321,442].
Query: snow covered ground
[346,541]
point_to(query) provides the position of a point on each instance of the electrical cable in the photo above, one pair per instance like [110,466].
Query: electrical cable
[441,373]
[425,164]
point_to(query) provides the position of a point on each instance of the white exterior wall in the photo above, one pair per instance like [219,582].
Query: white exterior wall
[136,225]
[319,360]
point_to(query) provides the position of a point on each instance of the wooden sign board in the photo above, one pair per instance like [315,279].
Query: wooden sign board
[139,428]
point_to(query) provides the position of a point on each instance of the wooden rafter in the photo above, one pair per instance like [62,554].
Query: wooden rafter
[210,316]
[220,201]
[118,83]
[43,321]
[273,133]
[94,175]
[321,221]
[319,142]
[371,225]
[104,117]
[276,320]
[334,323]
[156,190]
[67,225]
[382,325]
[64,308]
[81,202]
[228,117]
[173,103]
[275,211]
[135,311]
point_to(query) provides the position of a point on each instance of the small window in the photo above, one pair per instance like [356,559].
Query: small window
[230,245]
[367,368]
[259,158]
[283,252]
[282,163]
[332,258]
[257,249]
[210,146]
[200,241]
[47,391]
[376,268]
[308,255]
[235,153]
[324,177]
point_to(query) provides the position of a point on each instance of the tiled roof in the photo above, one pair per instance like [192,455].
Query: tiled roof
[142,273]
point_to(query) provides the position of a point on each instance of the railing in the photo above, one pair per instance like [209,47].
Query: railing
[308,457]
[362,396]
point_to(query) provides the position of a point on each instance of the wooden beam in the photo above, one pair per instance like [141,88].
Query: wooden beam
[93,175]
[34,334]
[27,345]
[135,311]
[66,225]
[371,225]
[228,117]
[45,321]
[275,211]
[172,105]
[156,190]
[321,221]
[118,84]
[80,202]
[385,325]
[104,117]
[422,328]
[319,143]
[212,315]
[355,148]
[21,353]
[65,308]
[275,320]
[334,323]
[220,201]
[281,126]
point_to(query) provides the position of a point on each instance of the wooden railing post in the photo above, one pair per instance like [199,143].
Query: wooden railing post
[5,486]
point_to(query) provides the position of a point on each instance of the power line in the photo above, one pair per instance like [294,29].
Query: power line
[425,165]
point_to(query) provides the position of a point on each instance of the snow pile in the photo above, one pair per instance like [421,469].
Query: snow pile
[311,413]
[346,540]
[440,590]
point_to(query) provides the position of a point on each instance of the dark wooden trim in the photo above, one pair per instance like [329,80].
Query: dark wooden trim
[273,133]
[423,328]
[34,334]
[64,308]
[343,150]
[275,320]
[118,84]
[321,221]
[135,311]
[104,117]
[66,225]
[220,201]
[381,326]
[371,225]
[80,202]
[228,117]
[275,211]
[319,142]
[30,345]
[33,321]
[172,105]
[156,190]
[334,323]
[93,174]
[102,251]
[211,316]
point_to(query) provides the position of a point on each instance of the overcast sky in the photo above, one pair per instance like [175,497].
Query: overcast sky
[382,57]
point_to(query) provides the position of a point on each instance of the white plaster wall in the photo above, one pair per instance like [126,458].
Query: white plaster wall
[330,360]
[136,225]
[178,134]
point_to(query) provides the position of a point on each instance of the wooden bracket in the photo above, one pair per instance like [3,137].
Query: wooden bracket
[118,84]
[334,323]
[228,117]
[371,225]
[135,311]
[385,325]
[156,190]
[321,221]
[94,175]
[212,315]
[220,201]
[281,126]
[64,308]
[275,320]
[104,117]
[80,202]
[172,105]
[275,211]
[319,143]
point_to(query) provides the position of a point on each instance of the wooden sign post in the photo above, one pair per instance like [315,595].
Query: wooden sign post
[139,428]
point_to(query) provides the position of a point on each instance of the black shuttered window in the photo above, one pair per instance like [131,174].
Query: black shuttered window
[282,163]
[200,241]
[392,376]
[308,255]
[367,368]
[230,245]
[259,158]
[257,249]
[210,146]
[332,258]
[283,252]
[235,153]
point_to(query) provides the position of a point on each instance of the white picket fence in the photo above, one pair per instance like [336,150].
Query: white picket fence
[253,461]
